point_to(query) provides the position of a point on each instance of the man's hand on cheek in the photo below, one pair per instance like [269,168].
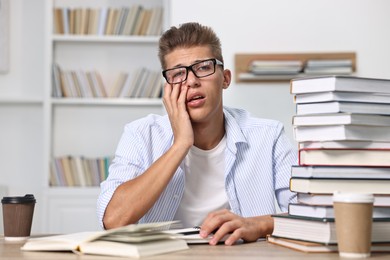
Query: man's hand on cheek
[174,99]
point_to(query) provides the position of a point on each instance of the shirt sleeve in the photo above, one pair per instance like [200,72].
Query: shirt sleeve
[126,165]
[285,155]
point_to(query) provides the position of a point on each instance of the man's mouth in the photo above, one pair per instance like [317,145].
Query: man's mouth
[195,98]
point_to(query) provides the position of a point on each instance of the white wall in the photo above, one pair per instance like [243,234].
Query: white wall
[280,26]
[246,26]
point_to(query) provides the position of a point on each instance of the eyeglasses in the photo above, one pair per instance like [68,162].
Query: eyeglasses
[200,69]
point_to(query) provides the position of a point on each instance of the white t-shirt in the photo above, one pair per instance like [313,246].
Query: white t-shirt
[204,185]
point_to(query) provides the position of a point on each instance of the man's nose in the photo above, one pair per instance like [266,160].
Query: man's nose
[192,79]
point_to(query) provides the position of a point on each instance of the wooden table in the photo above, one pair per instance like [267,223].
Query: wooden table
[257,250]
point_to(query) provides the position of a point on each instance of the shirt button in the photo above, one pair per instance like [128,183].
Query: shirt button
[175,196]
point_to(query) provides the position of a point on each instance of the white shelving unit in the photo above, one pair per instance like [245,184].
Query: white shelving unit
[90,127]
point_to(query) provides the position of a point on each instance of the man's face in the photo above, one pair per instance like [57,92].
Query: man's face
[204,96]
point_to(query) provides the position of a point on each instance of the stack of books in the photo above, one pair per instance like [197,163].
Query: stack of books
[342,126]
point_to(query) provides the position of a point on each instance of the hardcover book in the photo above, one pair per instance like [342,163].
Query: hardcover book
[339,83]
[343,185]
[342,133]
[321,230]
[345,157]
[341,106]
[344,144]
[381,200]
[135,240]
[341,119]
[316,211]
[341,96]
[340,172]
[312,247]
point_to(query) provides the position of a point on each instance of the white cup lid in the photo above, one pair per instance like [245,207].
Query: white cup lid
[353,197]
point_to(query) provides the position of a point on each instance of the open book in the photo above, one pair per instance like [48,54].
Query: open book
[135,240]
[191,235]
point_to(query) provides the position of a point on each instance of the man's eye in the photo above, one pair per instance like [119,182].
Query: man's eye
[178,74]
[204,67]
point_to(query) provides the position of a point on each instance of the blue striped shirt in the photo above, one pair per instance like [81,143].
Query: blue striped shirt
[258,160]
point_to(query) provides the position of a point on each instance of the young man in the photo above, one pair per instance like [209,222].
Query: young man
[203,164]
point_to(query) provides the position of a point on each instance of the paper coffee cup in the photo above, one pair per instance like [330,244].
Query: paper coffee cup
[353,217]
[17,217]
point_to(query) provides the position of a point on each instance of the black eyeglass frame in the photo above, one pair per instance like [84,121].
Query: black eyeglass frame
[214,60]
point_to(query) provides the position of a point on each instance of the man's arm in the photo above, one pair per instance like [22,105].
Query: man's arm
[131,201]
[157,176]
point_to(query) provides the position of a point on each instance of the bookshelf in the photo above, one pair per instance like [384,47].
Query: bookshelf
[89,126]
[243,63]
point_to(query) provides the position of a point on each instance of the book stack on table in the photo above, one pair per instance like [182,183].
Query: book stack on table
[342,126]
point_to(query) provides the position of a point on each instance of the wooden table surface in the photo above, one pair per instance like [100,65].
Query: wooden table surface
[257,250]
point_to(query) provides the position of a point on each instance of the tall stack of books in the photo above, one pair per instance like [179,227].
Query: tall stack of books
[342,126]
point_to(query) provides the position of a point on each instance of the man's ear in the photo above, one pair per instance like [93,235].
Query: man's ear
[227,78]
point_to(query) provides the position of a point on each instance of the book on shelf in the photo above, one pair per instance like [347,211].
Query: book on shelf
[72,14]
[130,19]
[58,27]
[321,230]
[122,16]
[339,83]
[313,247]
[96,83]
[309,185]
[341,106]
[155,21]
[327,211]
[65,19]
[341,119]
[145,22]
[142,83]
[344,144]
[136,240]
[341,96]
[346,157]
[139,22]
[381,200]
[342,132]
[274,77]
[340,172]
[116,88]
[275,64]
[275,67]
[110,20]
[102,19]
[328,70]
[93,21]
[322,63]
[56,77]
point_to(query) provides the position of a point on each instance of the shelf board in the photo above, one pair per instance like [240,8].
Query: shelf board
[243,61]
[20,101]
[105,38]
[74,190]
[108,101]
